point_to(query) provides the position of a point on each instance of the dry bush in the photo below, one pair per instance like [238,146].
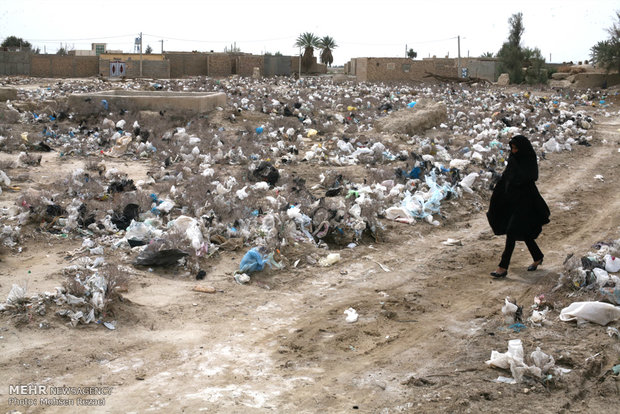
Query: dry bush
[91,188]
[36,202]
[200,193]
[288,122]
[116,280]
[140,197]
[163,187]
[74,287]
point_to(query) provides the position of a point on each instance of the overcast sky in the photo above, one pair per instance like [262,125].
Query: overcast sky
[563,30]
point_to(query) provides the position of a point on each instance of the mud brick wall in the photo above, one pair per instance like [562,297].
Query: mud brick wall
[219,64]
[404,69]
[246,65]
[444,67]
[53,66]
[188,64]
[595,80]
[390,69]
[14,63]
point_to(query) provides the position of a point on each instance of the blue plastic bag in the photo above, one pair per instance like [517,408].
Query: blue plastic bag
[415,173]
[253,261]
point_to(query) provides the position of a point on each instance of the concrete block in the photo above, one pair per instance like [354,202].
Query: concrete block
[414,120]
[503,80]
[7,94]
[185,102]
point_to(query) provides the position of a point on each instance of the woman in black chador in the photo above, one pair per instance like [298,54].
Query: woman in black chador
[517,209]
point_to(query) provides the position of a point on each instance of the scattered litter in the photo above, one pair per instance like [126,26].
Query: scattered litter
[351,315]
[595,312]
[517,327]
[110,325]
[452,242]
[512,312]
[242,278]
[542,364]
[164,257]
[204,289]
[382,266]
[613,332]
[330,259]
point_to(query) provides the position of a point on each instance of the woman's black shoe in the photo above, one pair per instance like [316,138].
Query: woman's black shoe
[534,266]
[497,275]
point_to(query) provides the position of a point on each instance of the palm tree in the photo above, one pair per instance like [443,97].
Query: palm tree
[308,41]
[327,44]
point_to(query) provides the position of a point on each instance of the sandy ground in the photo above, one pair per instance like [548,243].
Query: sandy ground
[429,317]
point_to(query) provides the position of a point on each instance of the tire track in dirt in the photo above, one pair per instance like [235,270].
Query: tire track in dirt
[468,301]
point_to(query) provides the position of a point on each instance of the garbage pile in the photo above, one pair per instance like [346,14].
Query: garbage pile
[542,365]
[596,271]
[286,163]
[90,287]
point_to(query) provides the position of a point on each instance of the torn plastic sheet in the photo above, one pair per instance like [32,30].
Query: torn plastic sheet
[422,204]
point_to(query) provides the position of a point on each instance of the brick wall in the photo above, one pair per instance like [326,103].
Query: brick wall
[188,64]
[247,63]
[405,69]
[595,80]
[219,64]
[390,69]
[54,66]
[14,63]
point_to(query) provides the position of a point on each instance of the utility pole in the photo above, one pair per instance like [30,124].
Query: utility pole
[162,46]
[140,54]
[459,63]
[406,50]
[299,62]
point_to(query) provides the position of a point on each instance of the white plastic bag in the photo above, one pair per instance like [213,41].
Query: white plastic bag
[16,295]
[351,315]
[330,259]
[596,312]
[602,277]
[612,264]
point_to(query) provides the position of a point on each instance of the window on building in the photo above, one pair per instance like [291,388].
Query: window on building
[99,49]
[406,67]
[391,66]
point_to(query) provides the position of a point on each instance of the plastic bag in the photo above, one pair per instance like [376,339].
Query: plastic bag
[330,259]
[612,264]
[543,361]
[16,295]
[253,261]
[597,312]
[602,277]
[190,227]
